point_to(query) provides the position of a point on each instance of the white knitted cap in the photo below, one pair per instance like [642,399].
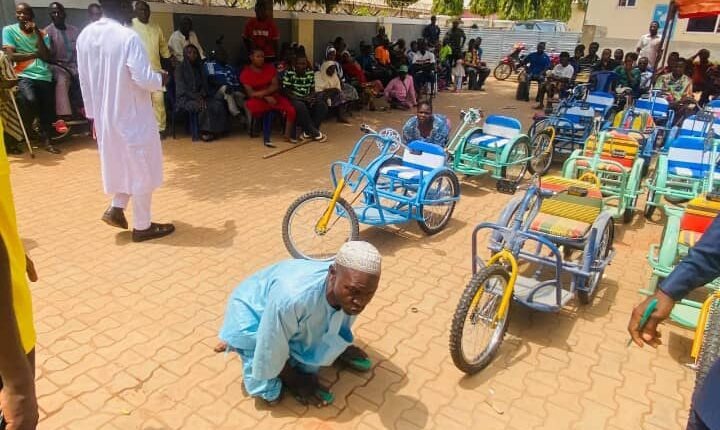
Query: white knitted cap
[360,256]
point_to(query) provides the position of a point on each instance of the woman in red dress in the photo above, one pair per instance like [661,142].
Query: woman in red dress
[263,90]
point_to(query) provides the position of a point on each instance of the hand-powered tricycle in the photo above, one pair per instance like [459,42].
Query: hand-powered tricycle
[683,229]
[689,166]
[496,147]
[392,189]
[558,224]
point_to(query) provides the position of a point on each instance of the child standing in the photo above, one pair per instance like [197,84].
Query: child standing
[459,74]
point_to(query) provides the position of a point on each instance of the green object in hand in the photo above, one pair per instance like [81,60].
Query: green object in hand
[645,316]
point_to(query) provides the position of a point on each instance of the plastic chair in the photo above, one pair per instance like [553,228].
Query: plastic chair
[193,121]
[602,81]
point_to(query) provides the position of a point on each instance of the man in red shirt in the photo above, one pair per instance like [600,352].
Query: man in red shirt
[261,32]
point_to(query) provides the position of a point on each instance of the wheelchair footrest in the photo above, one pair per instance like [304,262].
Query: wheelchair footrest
[544,299]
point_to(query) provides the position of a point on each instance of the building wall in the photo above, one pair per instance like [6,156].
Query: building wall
[409,32]
[616,22]
[312,30]
[353,33]
[577,19]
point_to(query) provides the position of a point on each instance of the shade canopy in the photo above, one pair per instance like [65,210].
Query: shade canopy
[697,8]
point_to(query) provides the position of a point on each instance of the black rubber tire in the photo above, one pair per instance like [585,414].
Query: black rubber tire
[502,71]
[645,170]
[456,189]
[389,162]
[649,209]
[461,312]
[355,231]
[584,297]
[628,215]
[503,172]
[534,146]
[394,161]
[710,347]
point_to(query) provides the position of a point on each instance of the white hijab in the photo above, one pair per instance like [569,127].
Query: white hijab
[323,81]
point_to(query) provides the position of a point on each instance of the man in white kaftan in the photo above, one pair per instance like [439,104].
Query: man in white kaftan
[291,318]
[116,81]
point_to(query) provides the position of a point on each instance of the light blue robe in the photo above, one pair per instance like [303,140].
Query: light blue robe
[281,314]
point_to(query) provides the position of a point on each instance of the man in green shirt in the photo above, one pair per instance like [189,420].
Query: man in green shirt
[446,56]
[299,86]
[628,76]
[27,47]
[678,86]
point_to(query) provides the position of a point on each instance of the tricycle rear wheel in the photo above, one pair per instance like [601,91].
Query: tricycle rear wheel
[515,171]
[603,246]
[477,310]
[300,235]
[444,185]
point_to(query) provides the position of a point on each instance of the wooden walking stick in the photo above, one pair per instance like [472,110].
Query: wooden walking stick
[22,125]
[282,151]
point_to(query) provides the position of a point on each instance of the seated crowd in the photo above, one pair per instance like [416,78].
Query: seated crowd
[207,89]
[284,81]
[687,83]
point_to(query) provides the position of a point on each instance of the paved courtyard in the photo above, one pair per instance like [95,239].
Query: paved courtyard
[126,331]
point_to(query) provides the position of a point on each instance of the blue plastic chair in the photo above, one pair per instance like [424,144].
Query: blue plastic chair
[603,81]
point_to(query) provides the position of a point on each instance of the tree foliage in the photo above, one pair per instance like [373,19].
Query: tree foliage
[400,3]
[328,5]
[485,7]
[524,9]
[448,7]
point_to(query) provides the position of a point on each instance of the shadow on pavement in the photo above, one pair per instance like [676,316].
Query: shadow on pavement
[391,239]
[380,380]
[188,236]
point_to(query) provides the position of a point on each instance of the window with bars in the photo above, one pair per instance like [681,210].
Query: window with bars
[626,3]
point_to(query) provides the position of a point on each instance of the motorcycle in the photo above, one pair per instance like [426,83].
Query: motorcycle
[511,63]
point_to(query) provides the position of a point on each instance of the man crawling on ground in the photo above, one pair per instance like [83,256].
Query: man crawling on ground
[288,320]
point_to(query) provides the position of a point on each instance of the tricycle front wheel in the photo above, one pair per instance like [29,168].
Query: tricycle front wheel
[477,331]
[542,153]
[301,233]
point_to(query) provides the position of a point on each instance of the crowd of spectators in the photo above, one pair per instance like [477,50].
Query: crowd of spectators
[303,93]
[636,72]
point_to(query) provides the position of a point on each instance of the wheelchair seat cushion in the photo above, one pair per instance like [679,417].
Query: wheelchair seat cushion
[418,158]
[402,172]
[689,238]
[487,141]
[560,226]
[658,107]
[699,214]
[638,121]
[497,131]
[565,215]
[559,184]
[618,147]
[688,157]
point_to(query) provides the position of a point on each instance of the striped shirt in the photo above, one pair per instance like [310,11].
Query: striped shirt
[299,85]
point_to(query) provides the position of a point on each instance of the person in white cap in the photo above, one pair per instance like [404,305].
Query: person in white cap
[288,320]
